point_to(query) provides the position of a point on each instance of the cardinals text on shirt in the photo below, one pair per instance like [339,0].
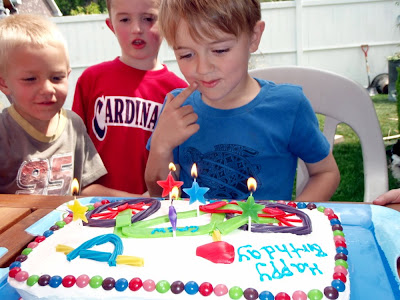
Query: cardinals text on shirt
[124,111]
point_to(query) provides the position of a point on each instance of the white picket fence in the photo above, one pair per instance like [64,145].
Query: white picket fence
[325,34]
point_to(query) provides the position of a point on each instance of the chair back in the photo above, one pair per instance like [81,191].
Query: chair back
[340,100]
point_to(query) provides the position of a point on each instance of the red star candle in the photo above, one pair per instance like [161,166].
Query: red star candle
[170,182]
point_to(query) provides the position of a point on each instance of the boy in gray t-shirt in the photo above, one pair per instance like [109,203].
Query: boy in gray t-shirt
[42,146]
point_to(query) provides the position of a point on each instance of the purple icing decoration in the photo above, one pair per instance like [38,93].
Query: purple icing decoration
[155,205]
[299,230]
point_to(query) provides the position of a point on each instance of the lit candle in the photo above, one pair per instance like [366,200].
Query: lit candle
[170,182]
[78,210]
[196,193]
[172,212]
[75,188]
[252,186]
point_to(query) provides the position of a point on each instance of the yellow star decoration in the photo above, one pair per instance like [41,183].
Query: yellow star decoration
[78,211]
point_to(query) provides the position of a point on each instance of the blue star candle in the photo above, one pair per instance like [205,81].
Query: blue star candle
[196,193]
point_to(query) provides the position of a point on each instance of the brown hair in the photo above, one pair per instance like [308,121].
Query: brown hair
[204,17]
[109,2]
[109,6]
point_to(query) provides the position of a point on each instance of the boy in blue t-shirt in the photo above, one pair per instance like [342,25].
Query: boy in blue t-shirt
[232,125]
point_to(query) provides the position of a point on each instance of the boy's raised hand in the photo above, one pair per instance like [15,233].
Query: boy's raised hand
[176,123]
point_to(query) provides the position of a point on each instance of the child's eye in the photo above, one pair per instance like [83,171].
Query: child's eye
[124,20]
[58,78]
[29,79]
[221,51]
[185,56]
[150,19]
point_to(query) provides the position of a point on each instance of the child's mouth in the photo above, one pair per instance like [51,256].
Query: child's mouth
[139,43]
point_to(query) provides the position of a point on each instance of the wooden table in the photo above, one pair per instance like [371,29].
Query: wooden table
[18,212]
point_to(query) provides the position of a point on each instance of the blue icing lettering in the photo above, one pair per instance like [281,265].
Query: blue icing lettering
[262,275]
[284,272]
[302,267]
[315,247]
[156,230]
[315,269]
[254,253]
[297,250]
[269,250]
[284,249]
[194,228]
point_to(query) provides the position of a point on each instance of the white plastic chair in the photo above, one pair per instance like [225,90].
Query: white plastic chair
[341,100]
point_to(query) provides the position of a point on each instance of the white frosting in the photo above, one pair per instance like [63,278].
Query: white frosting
[175,259]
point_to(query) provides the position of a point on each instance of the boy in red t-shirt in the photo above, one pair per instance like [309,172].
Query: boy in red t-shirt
[120,100]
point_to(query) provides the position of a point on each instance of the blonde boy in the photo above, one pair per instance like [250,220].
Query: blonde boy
[42,146]
[231,125]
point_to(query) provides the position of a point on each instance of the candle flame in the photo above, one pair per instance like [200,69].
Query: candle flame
[252,184]
[172,167]
[175,193]
[75,187]
[193,172]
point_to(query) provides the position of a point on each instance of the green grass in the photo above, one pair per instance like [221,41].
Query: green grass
[348,153]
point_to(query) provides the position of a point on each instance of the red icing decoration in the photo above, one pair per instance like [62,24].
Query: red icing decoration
[217,252]
[111,213]
[268,212]
[168,184]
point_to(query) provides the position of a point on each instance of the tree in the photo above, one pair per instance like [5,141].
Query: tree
[75,7]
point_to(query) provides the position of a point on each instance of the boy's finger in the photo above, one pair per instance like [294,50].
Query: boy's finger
[179,99]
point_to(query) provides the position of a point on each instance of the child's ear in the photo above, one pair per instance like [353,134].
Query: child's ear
[256,36]
[3,86]
[109,24]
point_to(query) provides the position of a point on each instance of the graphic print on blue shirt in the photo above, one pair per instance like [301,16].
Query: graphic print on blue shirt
[225,170]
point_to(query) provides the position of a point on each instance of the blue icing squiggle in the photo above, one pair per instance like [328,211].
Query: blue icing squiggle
[170,229]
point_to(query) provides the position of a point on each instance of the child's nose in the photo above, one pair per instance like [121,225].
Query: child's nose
[136,26]
[48,87]
[204,65]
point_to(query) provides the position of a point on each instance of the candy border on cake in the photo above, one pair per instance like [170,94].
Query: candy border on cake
[331,292]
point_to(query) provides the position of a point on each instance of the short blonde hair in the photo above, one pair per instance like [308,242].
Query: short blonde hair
[27,30]
[204,17]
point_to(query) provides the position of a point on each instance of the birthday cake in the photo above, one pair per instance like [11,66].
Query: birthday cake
[222,250]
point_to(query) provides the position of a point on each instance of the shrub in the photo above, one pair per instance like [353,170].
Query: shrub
[75,7]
